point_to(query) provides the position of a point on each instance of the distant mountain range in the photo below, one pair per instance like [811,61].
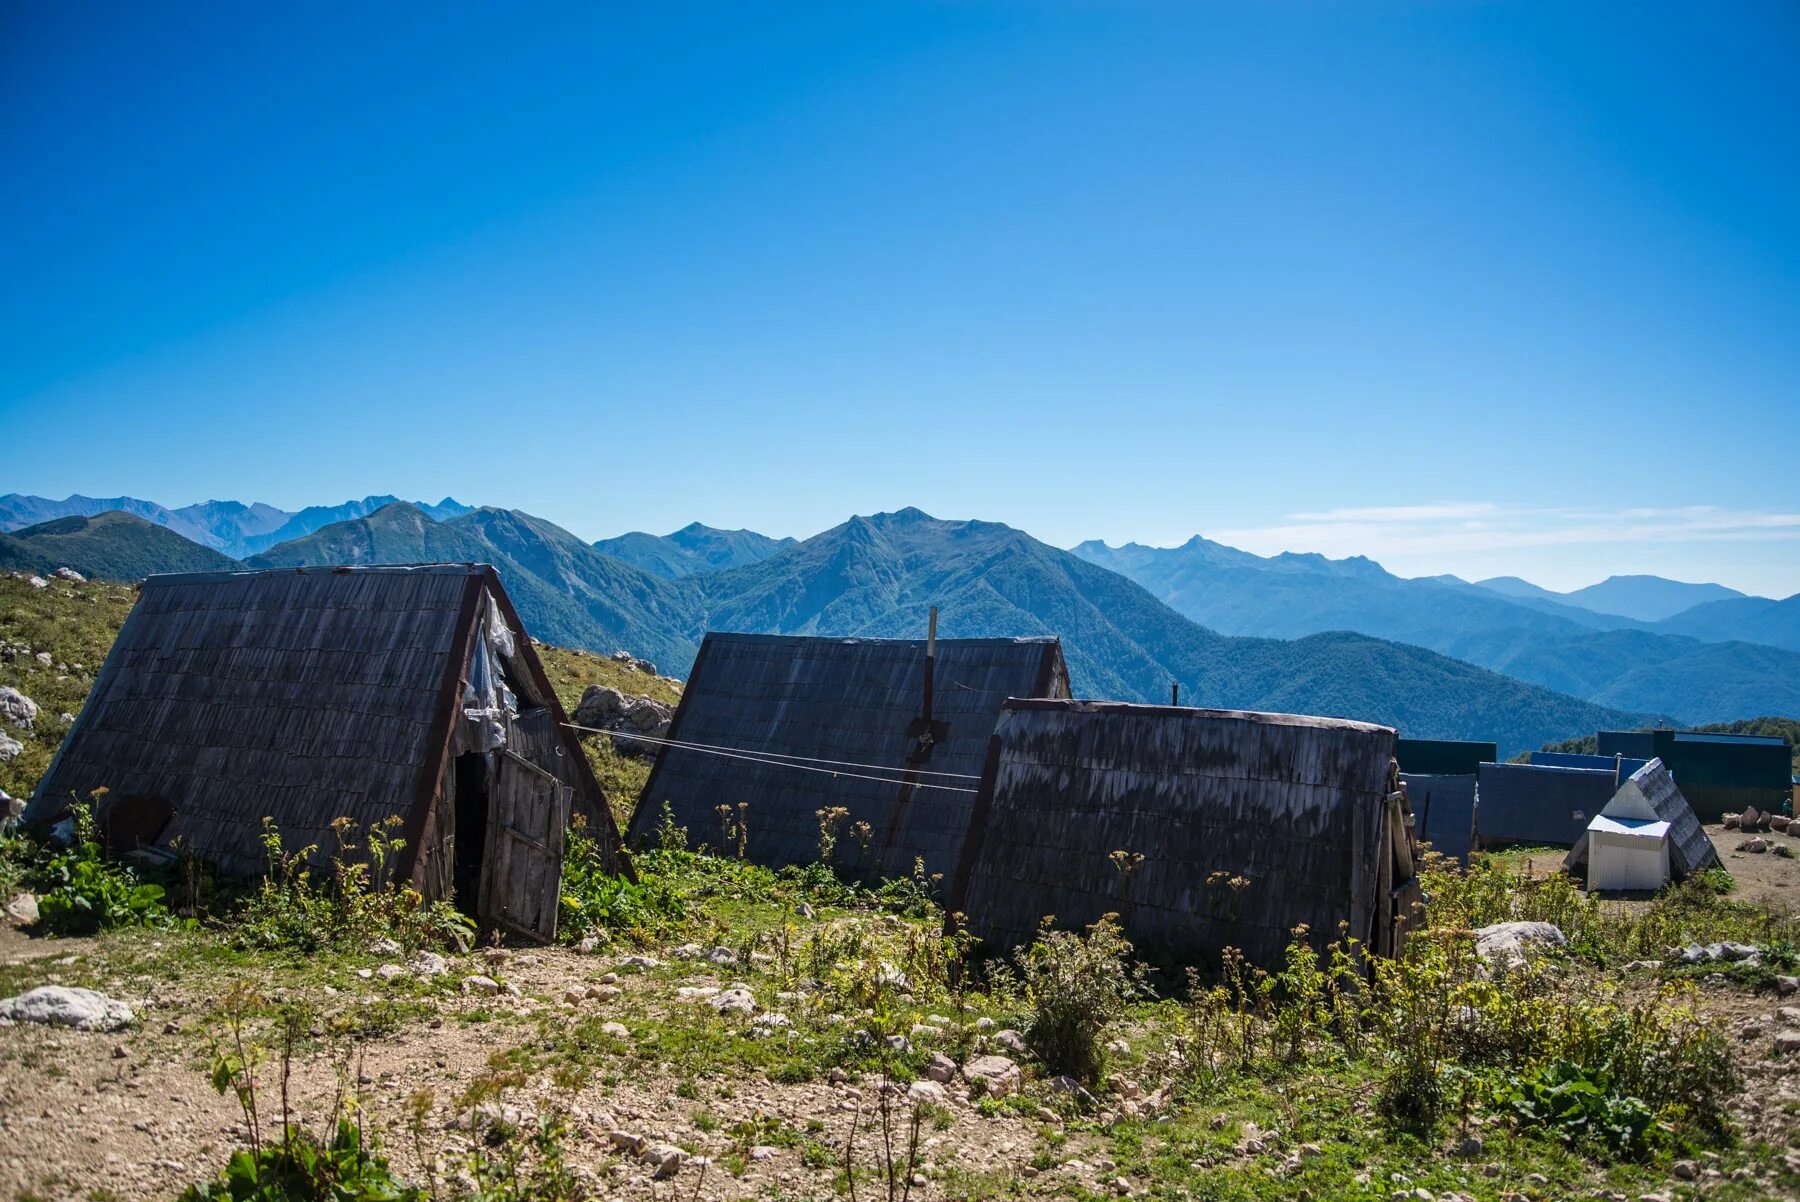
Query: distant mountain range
[107,546]
[231,527]
[878,576]
[1611,660]
[691,549]
[1644,598]
[1439,656]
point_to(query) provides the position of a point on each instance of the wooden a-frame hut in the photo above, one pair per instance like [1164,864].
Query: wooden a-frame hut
[1234,828]
[893,731]
[313,694]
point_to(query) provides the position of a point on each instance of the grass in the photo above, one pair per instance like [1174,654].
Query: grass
[76,624]
[571,673]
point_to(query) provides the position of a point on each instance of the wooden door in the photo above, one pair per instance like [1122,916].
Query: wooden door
[521,874]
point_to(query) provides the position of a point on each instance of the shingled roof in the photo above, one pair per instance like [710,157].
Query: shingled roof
[853,702]
[301,695]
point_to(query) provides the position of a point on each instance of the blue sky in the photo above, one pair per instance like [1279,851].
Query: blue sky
[1471,288]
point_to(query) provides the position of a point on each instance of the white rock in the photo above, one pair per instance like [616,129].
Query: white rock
[385,947]
[38,582]
[1009,1039]
[575,995]
[941,1068]
[388,972]
[9,747]
[763,1152]
[736,1000]
[23,908]
[63,1006]
[1787,1041]
[480,984]
[998,1074]
[639,962]
[587,944]
[16,707]
[616,1030]
[665,1158]
[603,993]
[69,574]
[628,1142]
[1510,943]
[724,957]
[927,1091]
[430,964]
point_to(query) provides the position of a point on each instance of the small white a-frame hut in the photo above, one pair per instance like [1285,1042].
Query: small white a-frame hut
[1646,836]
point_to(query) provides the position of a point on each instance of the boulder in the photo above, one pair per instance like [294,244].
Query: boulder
[1755,846]
[736,1000]
[941,1068]
[16,707]
[1509,944]
[69,574]
[37,582]
[616,1030]
[599,705]
[645,715]
[1010,1040]
[23,909]
[63,1006]
[9,747]
[486,986]
[1729,822]
[998,1075]
[927,1091]
[1750,818]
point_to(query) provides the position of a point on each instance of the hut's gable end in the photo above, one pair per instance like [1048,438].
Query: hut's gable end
[1246,826]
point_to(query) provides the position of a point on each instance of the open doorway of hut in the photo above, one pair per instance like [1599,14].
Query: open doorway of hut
[471,830]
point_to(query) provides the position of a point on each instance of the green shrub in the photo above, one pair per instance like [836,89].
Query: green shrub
[291,910]
[300,1168]
[1579,1105]
[80,891]
[1075,986]
[595,900]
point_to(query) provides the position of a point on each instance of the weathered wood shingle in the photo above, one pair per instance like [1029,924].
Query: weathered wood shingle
[847,700]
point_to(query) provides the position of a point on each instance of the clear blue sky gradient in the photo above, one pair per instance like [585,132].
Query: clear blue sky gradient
[1096,270]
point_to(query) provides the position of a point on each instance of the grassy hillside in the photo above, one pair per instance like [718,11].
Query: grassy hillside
[107,546]
[570,673]
[76,625]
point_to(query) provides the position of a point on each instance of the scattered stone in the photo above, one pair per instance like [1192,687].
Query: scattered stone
[1754,846]
[665,1160]
[1509,944]
[430,964]
[603,993]
[120,1052]
[985,1023]
[385,947]
[1750,819]
[804,910]
[736,1000]
[38,582]
[1119,1047]
[1779,821]
[1786,985]
[486,986]
[1787,1041]
[575,995]
[69,574]
[16,707]
[687,951]
[388,972]
[495,956]
[1009,1039]
[587,945]
[64,1006]
[899,1043]
[941,1068]
[23,908]
[628,1142]
[724,957]
[640,962]
[10,748]
[1685,1170]
[770,1022]
[696,993]
[927,1091]
[616,1030]
[763,1152]
[1470,1147]
[997,1074]
[1784,850]
[1730,822]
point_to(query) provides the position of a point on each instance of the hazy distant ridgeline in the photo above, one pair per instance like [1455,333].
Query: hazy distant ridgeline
[1536,636]
[231,527]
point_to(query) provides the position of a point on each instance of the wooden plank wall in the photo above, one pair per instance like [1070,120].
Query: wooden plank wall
[1295,807]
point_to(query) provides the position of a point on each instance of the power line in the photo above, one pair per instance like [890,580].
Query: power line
[705,749]
[774,755]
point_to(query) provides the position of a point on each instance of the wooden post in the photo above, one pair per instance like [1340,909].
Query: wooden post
[1174,692]
[930,662]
